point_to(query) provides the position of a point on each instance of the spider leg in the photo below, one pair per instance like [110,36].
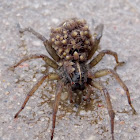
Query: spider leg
[47,44]
[56,103]
[97,36]
[48,61]
[104,72]
[51,76]
[99,57]
[109,105]
[31,30]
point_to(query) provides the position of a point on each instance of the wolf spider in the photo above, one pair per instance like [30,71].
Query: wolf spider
[71,47]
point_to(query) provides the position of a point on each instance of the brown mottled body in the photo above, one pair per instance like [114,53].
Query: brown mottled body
[71,46]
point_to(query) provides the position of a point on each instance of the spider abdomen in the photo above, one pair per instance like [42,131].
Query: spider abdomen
[72,40]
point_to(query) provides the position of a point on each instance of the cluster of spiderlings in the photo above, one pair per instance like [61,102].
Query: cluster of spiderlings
[72,40]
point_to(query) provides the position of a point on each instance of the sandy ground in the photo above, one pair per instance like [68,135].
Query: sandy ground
[121,34]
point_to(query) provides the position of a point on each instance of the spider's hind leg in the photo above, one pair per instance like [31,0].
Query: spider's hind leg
[51,76]
[109,105]
[105,72]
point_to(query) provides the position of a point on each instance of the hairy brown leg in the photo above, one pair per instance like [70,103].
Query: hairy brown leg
[56,103]
[31,30]
[99,57]
[109,105]
[48,61]
[51,76]
[51,50]
[104,72]
[47,44]
[97,36]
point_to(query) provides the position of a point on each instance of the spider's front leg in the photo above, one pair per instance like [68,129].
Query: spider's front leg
[56,103]
[51,76]
[48,61]
[109,105]
[99,57]
[105,72]
[96,40]
[47,44]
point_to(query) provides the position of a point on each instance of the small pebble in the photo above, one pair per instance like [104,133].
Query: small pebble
[64,95]
[7,93]
[16,80]
[92,138]
[40,112]
[24,52]
[37,43]
[28,107]
[34,79]
[18,128]
[82,112]
[43,69]
[42,119]
[55,20]
[18,14]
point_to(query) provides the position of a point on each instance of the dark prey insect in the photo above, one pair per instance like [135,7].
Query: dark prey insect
[71,47]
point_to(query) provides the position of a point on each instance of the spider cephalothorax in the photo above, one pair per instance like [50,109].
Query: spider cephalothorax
[71,46]
[77,76]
